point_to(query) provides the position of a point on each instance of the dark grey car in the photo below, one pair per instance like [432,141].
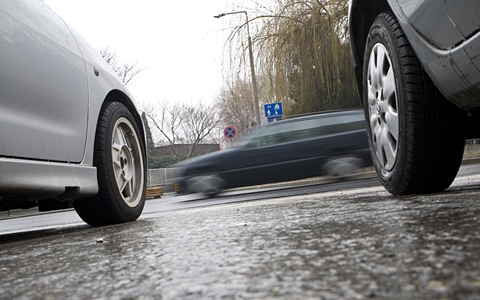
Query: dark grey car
[333,143]
[417,65]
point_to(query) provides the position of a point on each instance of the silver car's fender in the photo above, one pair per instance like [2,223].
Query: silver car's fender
[103,85]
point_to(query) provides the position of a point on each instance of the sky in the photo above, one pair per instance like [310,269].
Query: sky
[179,44]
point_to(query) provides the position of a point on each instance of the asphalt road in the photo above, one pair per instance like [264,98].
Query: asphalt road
[356,243]
[32,222]
[16,221]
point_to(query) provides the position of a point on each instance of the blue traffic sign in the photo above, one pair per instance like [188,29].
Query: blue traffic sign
[229,132]
[273,110]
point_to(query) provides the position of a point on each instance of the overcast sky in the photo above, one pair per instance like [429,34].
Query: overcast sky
[178,43]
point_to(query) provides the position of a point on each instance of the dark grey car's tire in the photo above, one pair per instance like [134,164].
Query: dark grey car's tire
[121,170]
[416,136]
[210,184]
[342,167]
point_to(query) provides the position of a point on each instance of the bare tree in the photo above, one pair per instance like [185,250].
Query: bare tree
[125,71]
[199,121]
[237,106]
[166,119]
[183,124]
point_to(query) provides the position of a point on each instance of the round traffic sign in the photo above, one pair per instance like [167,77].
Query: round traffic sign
[229,132]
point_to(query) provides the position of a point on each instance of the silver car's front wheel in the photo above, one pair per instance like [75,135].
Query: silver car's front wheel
[119,157]
[127,162]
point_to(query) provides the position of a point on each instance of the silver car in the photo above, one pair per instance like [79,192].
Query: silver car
[417,65]
[69,129]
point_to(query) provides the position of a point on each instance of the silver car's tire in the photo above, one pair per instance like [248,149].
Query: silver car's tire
[416,136]
[121,170]
[208,184]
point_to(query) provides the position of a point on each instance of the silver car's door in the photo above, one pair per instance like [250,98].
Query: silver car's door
[43,85]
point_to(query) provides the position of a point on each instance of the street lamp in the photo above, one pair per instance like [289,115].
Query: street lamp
[252,68]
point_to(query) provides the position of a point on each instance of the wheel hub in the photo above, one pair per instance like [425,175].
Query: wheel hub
[378,109]
[382,100]
[126,162]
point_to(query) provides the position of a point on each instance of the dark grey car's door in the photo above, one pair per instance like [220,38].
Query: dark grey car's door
[278,153]
[43,85]
[264,164]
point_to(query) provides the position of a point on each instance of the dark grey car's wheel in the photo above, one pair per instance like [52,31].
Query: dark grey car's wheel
[342,167]
[208,184]
[416,136]
[121,169]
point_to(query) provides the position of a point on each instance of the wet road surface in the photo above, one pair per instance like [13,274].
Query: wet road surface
[353,244]
[39,222]
[32,222]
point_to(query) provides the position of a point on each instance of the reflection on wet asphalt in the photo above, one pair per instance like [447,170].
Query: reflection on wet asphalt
[336,245]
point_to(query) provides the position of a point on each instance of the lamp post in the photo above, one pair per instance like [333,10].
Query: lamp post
[252,67]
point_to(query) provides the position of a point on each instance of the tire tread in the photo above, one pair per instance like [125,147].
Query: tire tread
[434,138]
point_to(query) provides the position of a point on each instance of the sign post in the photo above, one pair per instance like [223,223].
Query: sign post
[273,111]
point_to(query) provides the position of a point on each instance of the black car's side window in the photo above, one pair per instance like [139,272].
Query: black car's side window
[306,129]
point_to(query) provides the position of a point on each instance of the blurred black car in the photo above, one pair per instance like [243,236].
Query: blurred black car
[331,143]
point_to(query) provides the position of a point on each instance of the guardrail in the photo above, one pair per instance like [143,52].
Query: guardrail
[162,177]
